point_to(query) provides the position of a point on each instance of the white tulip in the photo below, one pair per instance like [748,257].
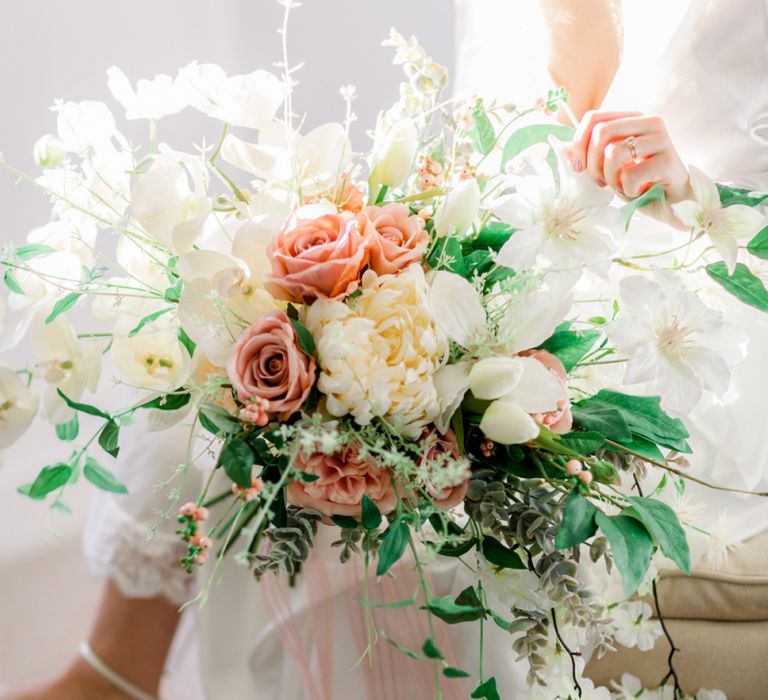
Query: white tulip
[458,211]
[508,424]
[18,406]
[495,377]
[154,358]
[394,153]
[49,151]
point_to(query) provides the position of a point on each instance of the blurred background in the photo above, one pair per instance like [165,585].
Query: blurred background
[62,50]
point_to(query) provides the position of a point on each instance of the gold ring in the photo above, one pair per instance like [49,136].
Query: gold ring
[631,142]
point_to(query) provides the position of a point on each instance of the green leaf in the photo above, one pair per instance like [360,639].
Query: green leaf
[531,135]
[499,555]
[493,235]
[49,479]
[654,194]
[32,250]
[109,436]
[371,516]
[743,284]
[68,431]
[453,672]
[306,341]
[465,608]
[218,421]
[660,520]
[61,507]
[237,460]
[738,195]
[83,407]
[392,546]
[168,402]
[187,342]
[148,319]
[643,447]
[173,293]
[447,255]
[26,490]
[578,522]
[102,478]
[603,419]
[631,548]
[483,135]
[431,651]
[408,652]
[62,305]
[570,347]
[398,605]
[347,522]
[10,281]
[487,690]
[584,442]
[758,246]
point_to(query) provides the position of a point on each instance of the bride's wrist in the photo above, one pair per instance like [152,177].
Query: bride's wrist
[88,684]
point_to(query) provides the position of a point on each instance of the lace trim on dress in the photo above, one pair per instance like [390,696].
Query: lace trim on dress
[142,564]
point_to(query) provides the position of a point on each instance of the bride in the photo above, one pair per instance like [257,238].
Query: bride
[698,67]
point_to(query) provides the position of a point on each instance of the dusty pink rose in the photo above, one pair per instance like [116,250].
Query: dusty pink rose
[561,420]
[399,238]
[343,478]
[318,258]
[268,365]
[438,449]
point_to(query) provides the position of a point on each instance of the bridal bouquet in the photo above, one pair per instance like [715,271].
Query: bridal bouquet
[439,348]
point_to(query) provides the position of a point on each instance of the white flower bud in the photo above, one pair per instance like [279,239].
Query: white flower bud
[394,153]
[49,151]
[508,424]
[459,210]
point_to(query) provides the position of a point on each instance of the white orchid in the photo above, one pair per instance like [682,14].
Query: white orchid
[634,625]
[394,152]
[240,100]
[18,406]
[84,127]
[673,340]
[64,362]
[76,235]
[167,206]
[459,210]
[286,159]
[154,358]
[566,227]
[49,151]
[516,386]
[152,99]
[726,227]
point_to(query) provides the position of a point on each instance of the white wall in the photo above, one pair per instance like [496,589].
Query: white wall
[54,48]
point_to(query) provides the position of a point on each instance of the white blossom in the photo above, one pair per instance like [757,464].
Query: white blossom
[151,99]
[18,406]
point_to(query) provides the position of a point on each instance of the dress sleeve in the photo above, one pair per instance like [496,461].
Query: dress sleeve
[130,538]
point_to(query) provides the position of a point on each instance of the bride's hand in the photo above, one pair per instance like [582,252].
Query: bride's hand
[629,152]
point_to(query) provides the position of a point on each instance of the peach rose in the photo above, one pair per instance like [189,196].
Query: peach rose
[561,420]
[439,451]
[320,258]
[400,238]
[348,197]
[268,365]
[343,478]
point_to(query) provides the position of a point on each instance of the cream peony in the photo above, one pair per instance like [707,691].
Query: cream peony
[379,353]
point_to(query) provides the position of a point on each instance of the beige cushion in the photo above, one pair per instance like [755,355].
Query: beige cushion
[719,621]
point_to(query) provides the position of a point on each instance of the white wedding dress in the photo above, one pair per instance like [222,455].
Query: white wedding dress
[702,66]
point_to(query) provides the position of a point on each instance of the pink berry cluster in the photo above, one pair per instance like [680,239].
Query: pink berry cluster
[255,411]
[577,469]
[250,494]
[429,173]
[190,517]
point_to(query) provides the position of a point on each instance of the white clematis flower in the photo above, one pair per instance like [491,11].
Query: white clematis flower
[18,406]
[458,211]
[154,358]
[673,340]
[166,206]
[457,308]
[152,99]
[567,228]
[240,100]
[725,226]
[64,362]
[517,387]
[287,159]
[634,625]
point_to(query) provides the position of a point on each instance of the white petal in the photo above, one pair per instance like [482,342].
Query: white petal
[456,307]
[728,248]
[530,319]
[711,369]
[495,377]
[538,390]
[451,383]
[689,212]
[508,424]
[743,221]
[704,189]
[522,248]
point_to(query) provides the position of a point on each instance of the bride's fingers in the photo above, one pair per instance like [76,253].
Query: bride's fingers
[618,154]
[583,135]
[636,179]
[606,133]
